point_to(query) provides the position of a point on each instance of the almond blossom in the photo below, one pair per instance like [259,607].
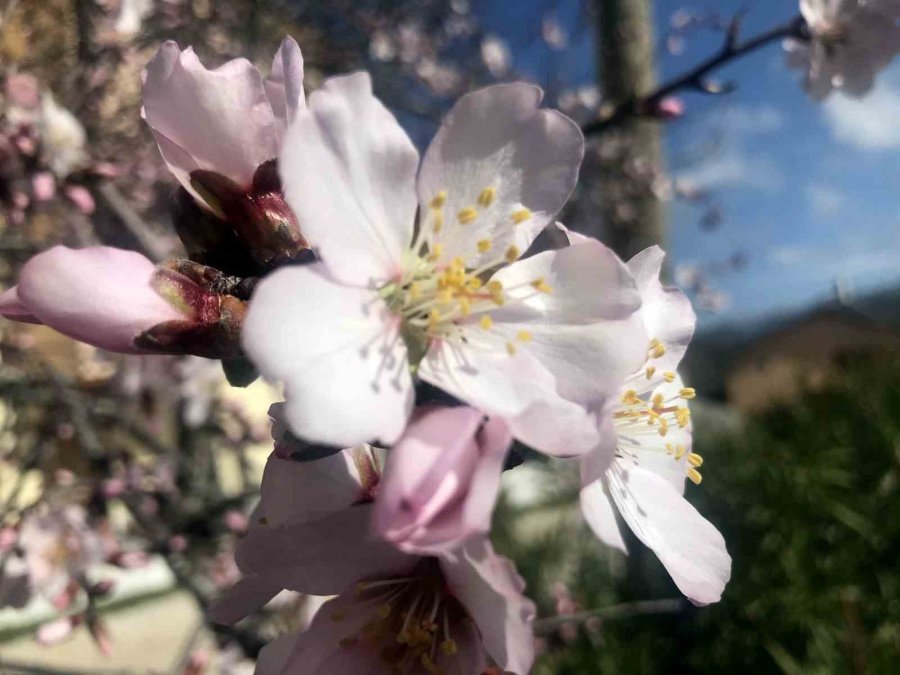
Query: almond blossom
[442,296]
[850,42]
[647,437]
[311,533]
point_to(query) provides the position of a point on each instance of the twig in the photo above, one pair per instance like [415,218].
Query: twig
[149,242]
[611,613]
[731,50]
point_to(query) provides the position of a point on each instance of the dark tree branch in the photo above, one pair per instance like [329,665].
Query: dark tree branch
[695,79]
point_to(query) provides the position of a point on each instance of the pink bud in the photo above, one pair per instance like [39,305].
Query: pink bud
[441,480]
[236,522]
[8,538]
[99,295]
[670,108]
[43,186]
[81,197]
[23,91]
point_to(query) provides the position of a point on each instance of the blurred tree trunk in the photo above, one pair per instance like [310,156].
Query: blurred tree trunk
[622,171]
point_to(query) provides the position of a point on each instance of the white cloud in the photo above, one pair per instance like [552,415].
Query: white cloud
[824,200]
[869,123]
[732,169]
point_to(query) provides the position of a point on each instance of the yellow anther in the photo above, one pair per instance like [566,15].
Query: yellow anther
[465,307]
[486,198]
[695,460]
[445,296]
[541,286]
[511,349]
[523,336]
[384,611]
[654,343]
[415,290]
[434,317]
[436,251]
[512,253]
[467,215]
[484,245]
[427,663]
[439,199]
[521,215]
[669,376]
[679,451]
[486,321]
[437,221]
[650,370]
[669,448]
[695,476]
[683,415]
[687,393]
[474,283]
[338,615]
[449,647]
[458,263]
[495,288]
[663,426]
[657,401]
[658,351]
[630,398]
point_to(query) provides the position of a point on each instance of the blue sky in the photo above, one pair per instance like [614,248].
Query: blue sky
[810,191]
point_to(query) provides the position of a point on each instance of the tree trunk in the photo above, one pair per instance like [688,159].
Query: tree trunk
[623,167]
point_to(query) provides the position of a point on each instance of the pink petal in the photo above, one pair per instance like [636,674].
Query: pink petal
[244,598]
[294,492]
[499,137]
[348,170]
[99,295]
[442,479]
[12,308]
[490,590]
[284,86]
[321,557]
[219,119]
[338,352]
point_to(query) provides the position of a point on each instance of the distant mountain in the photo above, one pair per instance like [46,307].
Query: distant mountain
[713,351]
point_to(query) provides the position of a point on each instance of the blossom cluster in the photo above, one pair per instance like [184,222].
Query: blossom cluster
[419,333]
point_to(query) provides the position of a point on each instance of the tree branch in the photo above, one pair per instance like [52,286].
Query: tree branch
[731,50]
[611,613]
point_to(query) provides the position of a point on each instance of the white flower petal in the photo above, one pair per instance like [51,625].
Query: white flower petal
[665,310]
[689,546]
[518,389]
[500,138]
[491,591]
[599,513]
[284,86]
[338,351]
[348,171]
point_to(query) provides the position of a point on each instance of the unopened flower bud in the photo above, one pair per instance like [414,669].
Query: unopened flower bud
[264,223]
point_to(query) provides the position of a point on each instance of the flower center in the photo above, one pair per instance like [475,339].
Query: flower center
[413,619]
[642,419]
[440,299]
